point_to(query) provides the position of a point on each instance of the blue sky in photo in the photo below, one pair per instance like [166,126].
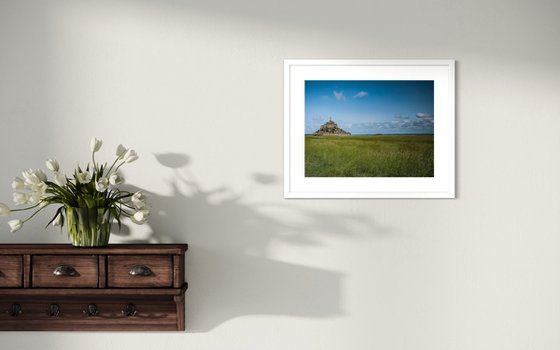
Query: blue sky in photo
[371,106]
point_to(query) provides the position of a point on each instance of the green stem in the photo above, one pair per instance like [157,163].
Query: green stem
[120,165]
[22,209]
[112,165]
[35,213]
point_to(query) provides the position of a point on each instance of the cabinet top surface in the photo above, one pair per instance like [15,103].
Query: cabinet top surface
[6,249]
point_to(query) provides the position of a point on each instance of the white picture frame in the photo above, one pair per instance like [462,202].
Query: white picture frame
[441,185]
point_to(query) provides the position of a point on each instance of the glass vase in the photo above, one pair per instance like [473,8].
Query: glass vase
[88,227]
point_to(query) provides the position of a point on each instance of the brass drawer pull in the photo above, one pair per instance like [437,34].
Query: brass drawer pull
[65,270]
[140,270]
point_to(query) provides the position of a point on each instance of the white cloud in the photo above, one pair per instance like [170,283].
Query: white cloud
[424,116]
[339,95]
[361,94]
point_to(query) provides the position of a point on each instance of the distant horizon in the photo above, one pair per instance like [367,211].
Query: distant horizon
[378,134]
[370,107]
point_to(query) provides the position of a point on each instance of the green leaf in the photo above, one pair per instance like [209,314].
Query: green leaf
[59,211]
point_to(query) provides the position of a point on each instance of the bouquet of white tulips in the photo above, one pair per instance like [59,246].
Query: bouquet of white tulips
[89,199]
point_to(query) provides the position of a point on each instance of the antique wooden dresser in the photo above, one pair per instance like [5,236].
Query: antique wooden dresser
[118,287]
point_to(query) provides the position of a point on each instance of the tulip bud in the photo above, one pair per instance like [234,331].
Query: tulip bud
[84,177]
[95,145]
[18,184]
[19,198]
[130,156]
[15,225]
[33,198]
[52,165]
[41,175]
[4,210]
[60,179]
[40,188]
[121,150]
[30,177]
[102,184]
[116,179]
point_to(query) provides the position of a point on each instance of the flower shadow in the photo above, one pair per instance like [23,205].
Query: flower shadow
[229,266]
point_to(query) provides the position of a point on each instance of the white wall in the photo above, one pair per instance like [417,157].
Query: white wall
[196,88]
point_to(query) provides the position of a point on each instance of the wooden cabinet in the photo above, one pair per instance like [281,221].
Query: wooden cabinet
[119,287]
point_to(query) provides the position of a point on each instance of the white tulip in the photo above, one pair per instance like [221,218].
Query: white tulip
[102,184]
[15,225]
[58,220]
[60,178]
[84,177]
[95,145]
[53,165]
[27,174]
[130,156]
[39,188]
[121,150]
[116,179]
[41,175]
[139,200]
[33,198]
[140,217]
[30,177]
[4,210]
[18,184]
[19,198]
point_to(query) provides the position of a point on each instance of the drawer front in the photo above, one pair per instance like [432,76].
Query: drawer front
[65,271]
[93,313]
[131,271]
[11,271]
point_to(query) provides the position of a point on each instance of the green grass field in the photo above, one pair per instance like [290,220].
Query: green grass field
[369,156]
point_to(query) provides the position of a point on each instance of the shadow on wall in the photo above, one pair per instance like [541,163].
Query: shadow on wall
[228,270]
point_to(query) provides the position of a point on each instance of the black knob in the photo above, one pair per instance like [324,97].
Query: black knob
[15,310]
[54,310]
[129,310]
[91,310]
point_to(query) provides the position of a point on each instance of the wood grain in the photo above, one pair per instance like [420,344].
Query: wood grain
[44,265]
[13,249]
[102,271]
[27,271]
[11,270]
[178,270]
[153,313]
[118,267]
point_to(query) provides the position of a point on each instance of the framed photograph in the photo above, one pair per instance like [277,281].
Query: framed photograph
[369,129]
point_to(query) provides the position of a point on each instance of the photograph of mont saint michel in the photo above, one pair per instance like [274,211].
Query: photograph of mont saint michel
[369,128]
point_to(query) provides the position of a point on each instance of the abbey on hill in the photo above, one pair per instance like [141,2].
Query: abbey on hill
[330,128]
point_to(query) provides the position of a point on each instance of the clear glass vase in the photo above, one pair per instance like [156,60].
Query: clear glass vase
[88,227]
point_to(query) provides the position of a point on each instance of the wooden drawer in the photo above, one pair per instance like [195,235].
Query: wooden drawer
[150,271]
[72,271]
[11,267]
